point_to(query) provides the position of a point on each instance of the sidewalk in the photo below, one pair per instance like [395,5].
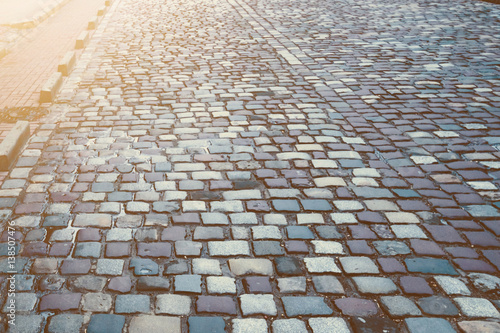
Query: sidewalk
[31,62]
[19,18]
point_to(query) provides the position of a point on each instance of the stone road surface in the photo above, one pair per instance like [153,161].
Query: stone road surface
[265,166]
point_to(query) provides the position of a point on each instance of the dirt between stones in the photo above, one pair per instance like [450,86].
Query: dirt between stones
[14,114]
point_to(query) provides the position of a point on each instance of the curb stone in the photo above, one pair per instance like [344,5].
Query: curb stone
[13,143]
[50,88]
[93,22]
[54,83]
[67,63]
[82,40]
[101,11]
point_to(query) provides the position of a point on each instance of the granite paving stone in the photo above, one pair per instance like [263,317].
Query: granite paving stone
[206,324]
[327,324]
[399,306]
[430,266]
[429,325]
[374,285]
[305,306]
[296,284]
[357,307]
[132,304]
[371,325]
[250,266]
[358,265]
[121,284]
[257,284]
[485,282]
[65,323]
[143,267]
[27,323]
[249,325]
[289,325]
[475,307]
[414,285]
[86,283]
[438,306]
[479,326]
[228,248]
[23,302]
[96,302]
[327,284]
[206,267]
[187,283]
[321,265]
[216,304]
[100,323]
[178,305]
[452,286]
[257,304]
[152,283]
[155,324]
[61,302]
[220,285]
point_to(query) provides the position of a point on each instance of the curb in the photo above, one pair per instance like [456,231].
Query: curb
[54,83]
[50,88]
[82,40]
[13,143]
[94,21]
[102,11]
[67,63]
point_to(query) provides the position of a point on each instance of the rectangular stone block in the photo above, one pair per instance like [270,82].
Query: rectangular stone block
[51,87]
[82,40]
[101,11]
[92,25]
[13,143]
[228,248]
[92,220]
[67,63]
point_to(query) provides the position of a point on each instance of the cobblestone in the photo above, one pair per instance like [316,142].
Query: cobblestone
[178,305]
[155,324]
[477,307]
[132,304]
[221,285]
[299,306]
[65,323]
[289,325]
[100,323]
[438,306]
[188,283]
[249,325]
[258,304]
[399,306]
[322,325]
[428,325]
[204,324]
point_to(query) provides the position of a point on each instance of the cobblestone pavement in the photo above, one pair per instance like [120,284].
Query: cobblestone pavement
[266,166]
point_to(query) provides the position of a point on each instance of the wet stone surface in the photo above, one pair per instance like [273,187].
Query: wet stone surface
[266,166]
